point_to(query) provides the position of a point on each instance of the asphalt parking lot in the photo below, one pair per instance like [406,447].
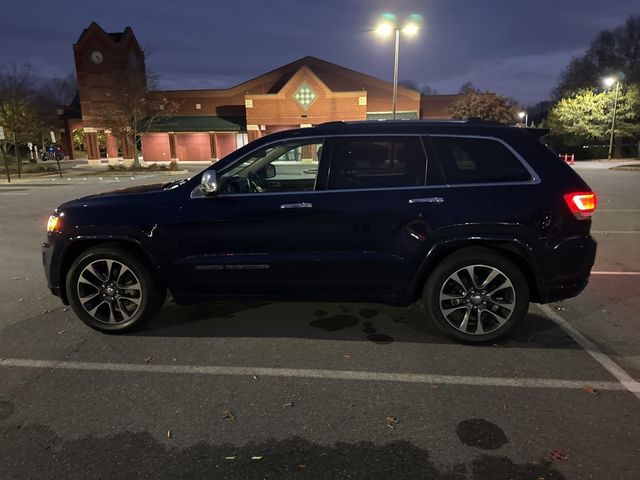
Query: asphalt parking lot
[301,390]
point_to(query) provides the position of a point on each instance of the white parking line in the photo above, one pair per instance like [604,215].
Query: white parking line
[215,370]
[615,273]
[606,232]
[618,211]
[612,367]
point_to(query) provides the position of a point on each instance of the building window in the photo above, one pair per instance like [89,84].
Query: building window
[198,106]
[478,160]
[161,107]
[241,140]
[380,162]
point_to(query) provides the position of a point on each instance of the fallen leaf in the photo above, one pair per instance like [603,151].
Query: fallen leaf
[591,390]
[228,415]
[61,332]
[558,455]
[392,421]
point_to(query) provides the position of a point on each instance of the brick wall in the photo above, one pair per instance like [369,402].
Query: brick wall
[193,146]
[226,144]
[155,147]
[282,108]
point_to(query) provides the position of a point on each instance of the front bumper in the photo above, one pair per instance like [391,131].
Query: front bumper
[51,261]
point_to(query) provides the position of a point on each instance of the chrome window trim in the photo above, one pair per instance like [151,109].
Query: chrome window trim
[315,192]
[534,180]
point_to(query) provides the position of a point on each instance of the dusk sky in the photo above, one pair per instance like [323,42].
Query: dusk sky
[516,48]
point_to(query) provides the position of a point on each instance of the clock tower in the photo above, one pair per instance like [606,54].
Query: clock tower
[103,62]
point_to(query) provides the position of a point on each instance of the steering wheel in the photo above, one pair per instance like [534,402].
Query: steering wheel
[256,184]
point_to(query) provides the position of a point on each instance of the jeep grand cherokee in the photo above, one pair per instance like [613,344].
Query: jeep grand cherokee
[472,219]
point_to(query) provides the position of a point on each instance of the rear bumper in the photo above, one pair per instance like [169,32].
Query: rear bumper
[573,259]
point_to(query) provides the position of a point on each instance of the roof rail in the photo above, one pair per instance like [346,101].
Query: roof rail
[326,124]
[481,121]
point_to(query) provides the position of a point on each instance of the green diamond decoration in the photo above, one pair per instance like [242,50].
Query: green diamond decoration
[305,96]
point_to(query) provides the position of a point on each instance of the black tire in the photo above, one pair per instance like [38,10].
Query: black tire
[122,305]
[510,297]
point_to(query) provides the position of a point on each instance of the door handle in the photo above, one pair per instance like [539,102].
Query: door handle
[296,205]
[427,200]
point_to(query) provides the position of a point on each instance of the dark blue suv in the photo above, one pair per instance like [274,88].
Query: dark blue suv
[473,219]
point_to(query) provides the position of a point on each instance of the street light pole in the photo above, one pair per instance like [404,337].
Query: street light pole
[395,74]
[385,28]
[613,119]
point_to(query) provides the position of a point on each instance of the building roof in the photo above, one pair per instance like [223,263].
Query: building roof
[336,77]
[116,37]
[191,123]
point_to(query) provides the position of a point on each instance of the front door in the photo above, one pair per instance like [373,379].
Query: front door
[260,234]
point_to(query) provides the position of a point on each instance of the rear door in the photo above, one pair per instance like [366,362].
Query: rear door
[495,192]
[381,215]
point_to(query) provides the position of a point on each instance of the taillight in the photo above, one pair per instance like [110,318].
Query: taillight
[581,204]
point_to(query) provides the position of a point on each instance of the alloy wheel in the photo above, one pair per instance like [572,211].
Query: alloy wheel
[477,299]
[109,291]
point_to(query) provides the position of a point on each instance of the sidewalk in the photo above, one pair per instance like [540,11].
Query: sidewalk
[80,170]
[605,164]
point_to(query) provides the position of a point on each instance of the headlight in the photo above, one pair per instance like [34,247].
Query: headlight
[53,225]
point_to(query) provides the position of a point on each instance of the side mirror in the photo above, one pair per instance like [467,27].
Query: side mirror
[209,182]
[270,171]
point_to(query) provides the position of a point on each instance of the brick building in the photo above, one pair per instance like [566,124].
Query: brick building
[206,125]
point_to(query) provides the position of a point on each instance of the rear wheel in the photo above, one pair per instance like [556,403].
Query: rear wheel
[476,295]
[112,291]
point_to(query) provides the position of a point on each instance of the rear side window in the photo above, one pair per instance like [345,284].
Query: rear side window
[478,160]
[377,162]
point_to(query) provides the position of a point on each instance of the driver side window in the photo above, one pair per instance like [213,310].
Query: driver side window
[290,166]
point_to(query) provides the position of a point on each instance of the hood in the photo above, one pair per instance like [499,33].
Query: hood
[116,194]
[137,189]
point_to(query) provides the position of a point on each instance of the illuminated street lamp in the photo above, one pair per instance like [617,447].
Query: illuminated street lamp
[386,28]
[525,116]
[609,82]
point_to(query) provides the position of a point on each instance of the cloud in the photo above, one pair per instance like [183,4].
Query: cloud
[527,78]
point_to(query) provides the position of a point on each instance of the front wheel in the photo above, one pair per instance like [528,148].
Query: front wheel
[476,295]
[112,291]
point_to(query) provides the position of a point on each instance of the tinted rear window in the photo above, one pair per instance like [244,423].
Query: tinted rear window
[478,160]
[377,162]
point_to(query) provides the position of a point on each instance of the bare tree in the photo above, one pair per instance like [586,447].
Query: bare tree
[16,112]
[134,107]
